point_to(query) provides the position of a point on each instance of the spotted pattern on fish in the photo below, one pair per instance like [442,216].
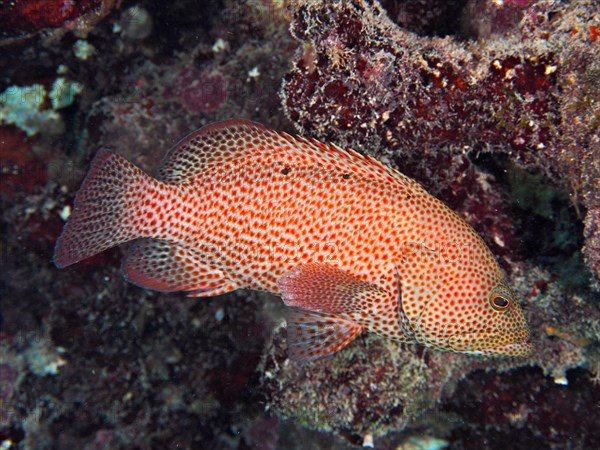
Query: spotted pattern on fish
[350,244]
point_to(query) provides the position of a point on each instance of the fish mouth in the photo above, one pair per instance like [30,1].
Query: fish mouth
[516,349]
[512,343]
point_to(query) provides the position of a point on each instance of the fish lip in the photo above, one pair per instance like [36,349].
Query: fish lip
[518,348]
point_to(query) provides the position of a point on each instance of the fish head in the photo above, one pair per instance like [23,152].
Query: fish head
[496,327]
[468,307]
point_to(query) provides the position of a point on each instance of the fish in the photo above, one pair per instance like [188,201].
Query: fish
[350,244]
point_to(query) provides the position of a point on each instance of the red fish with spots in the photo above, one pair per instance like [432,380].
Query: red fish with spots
[349,244]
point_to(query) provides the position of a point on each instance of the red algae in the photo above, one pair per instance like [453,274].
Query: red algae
[27,18]
[33,15]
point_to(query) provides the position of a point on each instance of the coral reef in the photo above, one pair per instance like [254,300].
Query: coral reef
[438,108]
[539,408]
[493,106]
[372,388]
[429,102]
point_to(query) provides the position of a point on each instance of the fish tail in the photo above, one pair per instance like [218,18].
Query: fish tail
[108,210]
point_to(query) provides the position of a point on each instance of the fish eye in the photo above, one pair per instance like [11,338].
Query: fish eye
[499,302]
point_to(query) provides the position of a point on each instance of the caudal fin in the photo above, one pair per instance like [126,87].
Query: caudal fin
[104,209]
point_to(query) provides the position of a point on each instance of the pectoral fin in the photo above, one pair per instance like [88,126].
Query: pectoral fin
[353,303]
[327,304]
[324,288]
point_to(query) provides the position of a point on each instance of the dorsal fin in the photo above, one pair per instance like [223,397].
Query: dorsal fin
[240,141]
[214,144]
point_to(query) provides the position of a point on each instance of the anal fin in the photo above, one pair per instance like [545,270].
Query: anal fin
[312,335]
[167,267]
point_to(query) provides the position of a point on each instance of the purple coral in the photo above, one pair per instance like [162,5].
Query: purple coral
[198,92]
